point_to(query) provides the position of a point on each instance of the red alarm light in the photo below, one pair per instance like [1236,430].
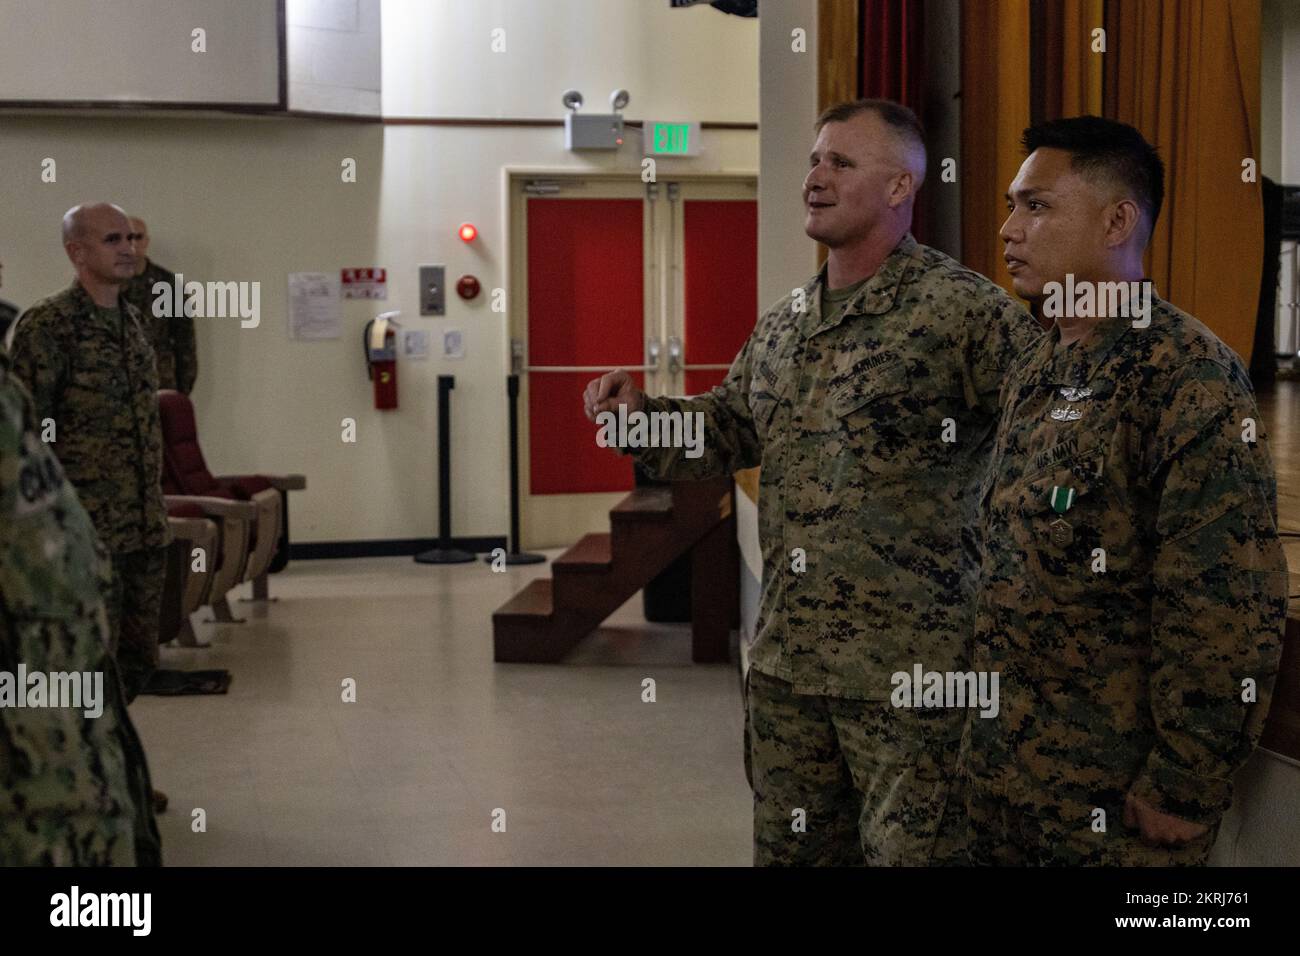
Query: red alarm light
[467,232]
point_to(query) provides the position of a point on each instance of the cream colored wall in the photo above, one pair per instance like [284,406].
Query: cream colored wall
[788,106]
[334,50]
[254,199]
[55,50]
[692,63]
[786,257]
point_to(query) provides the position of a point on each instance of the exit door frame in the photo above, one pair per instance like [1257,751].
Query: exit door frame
[588,511]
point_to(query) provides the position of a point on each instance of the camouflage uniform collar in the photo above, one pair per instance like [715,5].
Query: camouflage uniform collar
[85,305]
[1078,364]
[876,297]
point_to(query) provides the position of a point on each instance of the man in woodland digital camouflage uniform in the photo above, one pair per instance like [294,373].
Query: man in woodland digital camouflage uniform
[869,397]
[74,789]
[1133,590]
[85,356]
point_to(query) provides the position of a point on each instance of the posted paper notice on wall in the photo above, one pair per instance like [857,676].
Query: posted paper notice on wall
[315,308]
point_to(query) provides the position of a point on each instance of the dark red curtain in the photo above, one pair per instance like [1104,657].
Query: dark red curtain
[893,51]
[893,63]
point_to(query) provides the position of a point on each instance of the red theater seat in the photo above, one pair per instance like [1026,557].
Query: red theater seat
[186,473]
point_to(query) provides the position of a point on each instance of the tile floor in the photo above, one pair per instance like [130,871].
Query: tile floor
[440,737]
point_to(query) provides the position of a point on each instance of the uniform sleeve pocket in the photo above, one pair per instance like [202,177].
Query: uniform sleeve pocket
[1190,502]
[762,406]
[765,395]
[48,571]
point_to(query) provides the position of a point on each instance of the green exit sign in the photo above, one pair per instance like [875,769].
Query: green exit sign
[672,139]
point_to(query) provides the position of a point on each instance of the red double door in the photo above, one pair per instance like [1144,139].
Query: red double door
[659,279]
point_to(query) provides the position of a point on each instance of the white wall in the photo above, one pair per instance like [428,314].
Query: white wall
[139,50]
[788,100]
[694,62]
[255,199]
[335,50]
[786,256]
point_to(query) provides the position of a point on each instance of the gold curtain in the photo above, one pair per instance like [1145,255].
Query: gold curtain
[1073,73]
[994,113]
[1186,73]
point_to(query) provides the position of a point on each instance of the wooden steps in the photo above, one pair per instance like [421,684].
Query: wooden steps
[532,602]
[650,503]
[650,528]
[591,553]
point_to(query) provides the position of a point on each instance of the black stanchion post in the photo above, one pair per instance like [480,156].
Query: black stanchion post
[444,553]
[515,556]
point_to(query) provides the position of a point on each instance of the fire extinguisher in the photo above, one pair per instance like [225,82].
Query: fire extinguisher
[380,343]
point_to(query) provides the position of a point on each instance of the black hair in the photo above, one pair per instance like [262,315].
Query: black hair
[1103,148]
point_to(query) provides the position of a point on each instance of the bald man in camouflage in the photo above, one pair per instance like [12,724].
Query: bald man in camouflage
[869,397]
[86,358]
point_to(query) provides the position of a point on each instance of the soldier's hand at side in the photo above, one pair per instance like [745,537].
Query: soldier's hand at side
[611,390]
[1159,829]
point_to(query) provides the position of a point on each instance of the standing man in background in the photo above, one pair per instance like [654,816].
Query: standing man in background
[86,358]
[869,397]
[173,338]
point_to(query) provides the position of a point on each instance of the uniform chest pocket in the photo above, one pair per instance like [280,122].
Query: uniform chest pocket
[762,407]
[95,394]
[867,401]
[869,422]
[865,431]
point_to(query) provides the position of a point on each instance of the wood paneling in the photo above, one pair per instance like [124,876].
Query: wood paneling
[837,52]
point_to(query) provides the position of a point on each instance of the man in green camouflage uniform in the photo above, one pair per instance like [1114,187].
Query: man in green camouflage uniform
[74,790]
[87,361]
[1133,589]
[173,338]
[869,397]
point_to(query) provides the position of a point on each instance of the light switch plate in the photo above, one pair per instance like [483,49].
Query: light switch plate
[415,343]
[433,290]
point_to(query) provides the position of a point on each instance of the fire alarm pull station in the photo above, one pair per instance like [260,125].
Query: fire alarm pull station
[433,292]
